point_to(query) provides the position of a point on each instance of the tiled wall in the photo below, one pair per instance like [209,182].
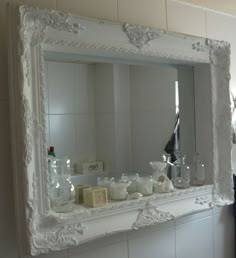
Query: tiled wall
[120,114]
[207,235]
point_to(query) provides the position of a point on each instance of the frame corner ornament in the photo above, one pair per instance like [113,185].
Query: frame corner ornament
[45,238]
[202,200]
[150,215]
[34,22]
[219,51]
[139,35]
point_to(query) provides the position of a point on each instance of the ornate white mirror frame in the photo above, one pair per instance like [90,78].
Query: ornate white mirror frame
[32,31]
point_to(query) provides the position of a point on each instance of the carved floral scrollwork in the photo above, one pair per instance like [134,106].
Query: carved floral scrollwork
[53,238]
[36,21]
[140,35]
[27,118]
[219,56]
[150,215]
[219,51]
[204,200]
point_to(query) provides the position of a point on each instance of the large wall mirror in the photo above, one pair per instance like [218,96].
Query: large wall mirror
[126,110]
[121,114]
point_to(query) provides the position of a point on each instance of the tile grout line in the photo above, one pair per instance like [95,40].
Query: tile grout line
[167,28]
[117,10]
[206,27]
[127,241]
[213,233]
[175,237]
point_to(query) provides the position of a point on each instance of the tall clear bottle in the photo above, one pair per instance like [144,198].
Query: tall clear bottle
[198,171]
[181,172]
[61,190]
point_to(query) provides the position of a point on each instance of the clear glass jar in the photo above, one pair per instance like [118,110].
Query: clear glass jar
[198,171]
[61,190]
[145,185]
[181,172]
[132,182]
[118,191]
[106,182]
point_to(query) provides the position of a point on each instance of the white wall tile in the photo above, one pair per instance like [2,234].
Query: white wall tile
[48,4]
[145,12]
[87,179]
[61,84]
[121,79]
[152,242]
[221,27]
[105,135]
[123,142]
[60,254]
[62,135]
[113,246]
[104,88]
[193,217]
[225,209]
[159,89]
[224,233]
[104,9]
[85,138]
[186,18]
[217,5]
[195,239]
[84,88]
[152,112]
[147,145]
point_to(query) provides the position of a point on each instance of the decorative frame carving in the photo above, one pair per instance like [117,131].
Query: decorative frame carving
[39,229]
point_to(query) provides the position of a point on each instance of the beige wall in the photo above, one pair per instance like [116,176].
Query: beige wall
[182,18]
[225,6]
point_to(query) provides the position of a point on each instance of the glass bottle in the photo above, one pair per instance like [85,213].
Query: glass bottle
[160,167]
[119,191]
[51,152]
[106,182]
[145,185]
[132,182]
[198,172]
[181,172]
[51,156]
[61,190]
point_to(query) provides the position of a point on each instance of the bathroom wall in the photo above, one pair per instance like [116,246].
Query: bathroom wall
[206,235]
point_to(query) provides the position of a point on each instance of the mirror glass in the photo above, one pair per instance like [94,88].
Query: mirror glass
[118,113]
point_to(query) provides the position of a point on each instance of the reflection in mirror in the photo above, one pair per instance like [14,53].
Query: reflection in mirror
[113,118]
